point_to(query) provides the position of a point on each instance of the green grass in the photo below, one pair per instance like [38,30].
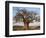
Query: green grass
[22,28]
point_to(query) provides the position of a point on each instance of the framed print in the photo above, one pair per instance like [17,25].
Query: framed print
[24,18]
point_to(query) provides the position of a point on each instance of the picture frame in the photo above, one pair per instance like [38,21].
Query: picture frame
[21,5]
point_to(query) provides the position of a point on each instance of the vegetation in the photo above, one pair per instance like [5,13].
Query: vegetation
[22,28]
[25,16]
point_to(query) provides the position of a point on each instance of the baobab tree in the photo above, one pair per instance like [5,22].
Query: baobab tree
[26,17]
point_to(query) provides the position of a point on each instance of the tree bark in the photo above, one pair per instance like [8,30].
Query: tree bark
[26,25]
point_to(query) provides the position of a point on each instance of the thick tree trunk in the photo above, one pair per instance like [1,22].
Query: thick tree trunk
[26,25]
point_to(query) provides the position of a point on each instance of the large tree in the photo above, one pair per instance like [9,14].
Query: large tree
[26,17]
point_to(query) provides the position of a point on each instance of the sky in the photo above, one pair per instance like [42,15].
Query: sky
[37,10]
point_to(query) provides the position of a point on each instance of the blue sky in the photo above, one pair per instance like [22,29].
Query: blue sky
[37,10]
